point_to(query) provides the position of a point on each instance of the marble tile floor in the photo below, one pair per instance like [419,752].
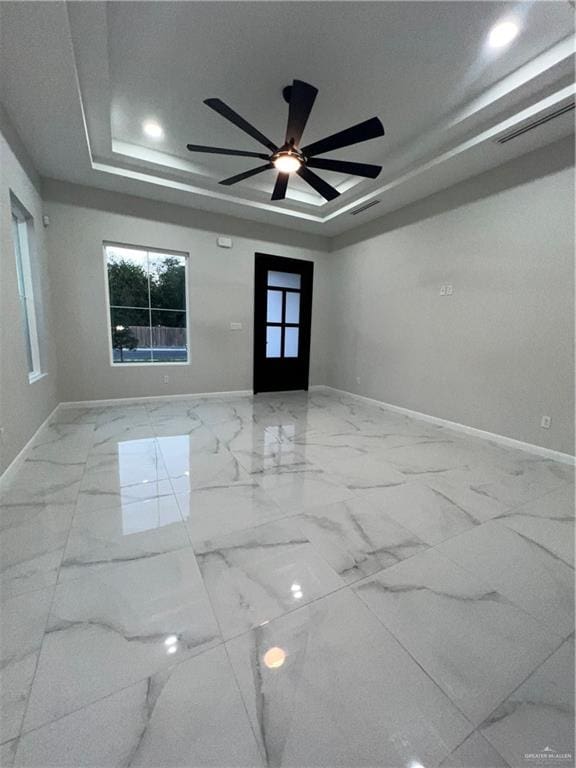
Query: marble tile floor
[287,580]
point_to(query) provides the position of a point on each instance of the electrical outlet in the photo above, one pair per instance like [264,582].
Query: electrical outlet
[443,291]
[166,379]
[546,422]
[449,290]
[357,379]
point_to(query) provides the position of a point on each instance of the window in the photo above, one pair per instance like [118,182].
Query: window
[21,227]
[147,298]
[282,314]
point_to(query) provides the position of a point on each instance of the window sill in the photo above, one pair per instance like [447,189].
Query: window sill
[33,377]
[147,365]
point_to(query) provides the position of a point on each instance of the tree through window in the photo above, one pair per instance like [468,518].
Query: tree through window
[147,293]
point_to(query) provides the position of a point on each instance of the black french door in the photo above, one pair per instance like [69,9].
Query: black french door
[282,319]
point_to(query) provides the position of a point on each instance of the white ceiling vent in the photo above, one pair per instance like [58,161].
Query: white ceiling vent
[535,123]
[363,208]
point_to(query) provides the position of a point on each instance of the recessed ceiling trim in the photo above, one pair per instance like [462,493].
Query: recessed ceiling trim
[525,114]
[183,187]
[532,69]
[542,105]
[105,162]
[144,157]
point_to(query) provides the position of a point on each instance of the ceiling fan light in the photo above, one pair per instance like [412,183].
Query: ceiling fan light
[287,162]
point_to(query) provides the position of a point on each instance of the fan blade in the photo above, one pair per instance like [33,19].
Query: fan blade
[280,187]
[322,187]
[239,122]
[302,98]
[341,166]
[246,174]
[222,151]
[369,129]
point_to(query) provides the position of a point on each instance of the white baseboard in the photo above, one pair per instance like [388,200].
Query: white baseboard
[510,442]
[21,455]
[147,398]
[193,396]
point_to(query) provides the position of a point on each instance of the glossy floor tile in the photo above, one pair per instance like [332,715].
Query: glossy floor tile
[21,632]
[429,514]
[327,685]
[221,509]
[520,569]
[294,489]
[296,580]
[475,752]
[470,639]
[357,538]
[539,716]
[8,753]
[548,522]
[113,628]
[32,541]
[190,714]
[256,575]
[124,533]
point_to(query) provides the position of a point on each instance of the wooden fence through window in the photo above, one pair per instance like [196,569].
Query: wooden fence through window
[162,336]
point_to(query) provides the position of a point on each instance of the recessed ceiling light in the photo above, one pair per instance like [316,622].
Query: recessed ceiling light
[153,129]
[274,657]
[502,34]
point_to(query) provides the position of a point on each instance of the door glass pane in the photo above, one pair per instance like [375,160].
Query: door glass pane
[274,313]
[291,342]
[284,279]
[292,307]
[273,335]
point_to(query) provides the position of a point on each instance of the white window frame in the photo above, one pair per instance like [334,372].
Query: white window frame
[21,223]
[164,251]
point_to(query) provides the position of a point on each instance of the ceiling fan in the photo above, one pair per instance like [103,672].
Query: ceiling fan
[290,157]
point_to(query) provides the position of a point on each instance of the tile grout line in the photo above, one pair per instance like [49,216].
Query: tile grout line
[507,696]
[477,732]
[535,618]
[289,515]
[528,676]
[244,706]
[49,612]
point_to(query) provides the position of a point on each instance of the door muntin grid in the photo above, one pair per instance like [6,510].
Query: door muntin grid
[283,314]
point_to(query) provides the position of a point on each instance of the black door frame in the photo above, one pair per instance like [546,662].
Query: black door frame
[278,374]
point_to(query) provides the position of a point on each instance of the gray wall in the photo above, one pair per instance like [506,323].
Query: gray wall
[221,291]
[23,406]
[499,353]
